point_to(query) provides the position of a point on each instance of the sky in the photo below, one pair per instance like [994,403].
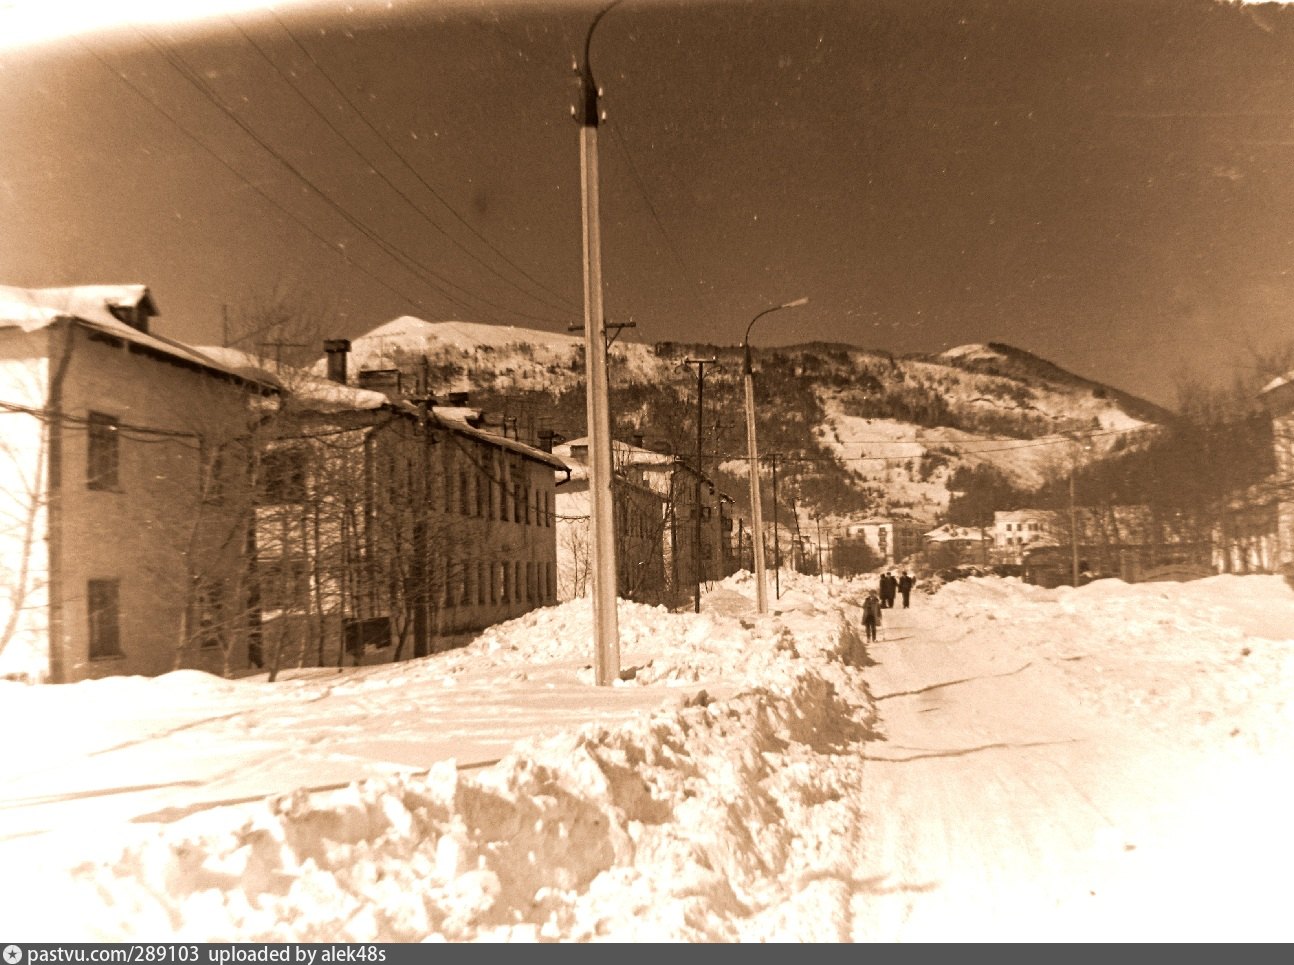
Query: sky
[1103,183]
[1006,763]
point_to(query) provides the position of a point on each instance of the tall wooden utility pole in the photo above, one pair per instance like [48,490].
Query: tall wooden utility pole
[700,423]
[605,625]
[777,543]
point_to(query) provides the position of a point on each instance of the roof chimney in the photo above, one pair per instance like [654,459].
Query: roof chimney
[336,349]
[546,439]
[637,440]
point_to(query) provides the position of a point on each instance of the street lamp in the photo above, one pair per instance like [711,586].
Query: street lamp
[752,454]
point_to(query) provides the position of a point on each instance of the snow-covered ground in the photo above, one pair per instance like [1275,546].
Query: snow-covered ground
[1007,762]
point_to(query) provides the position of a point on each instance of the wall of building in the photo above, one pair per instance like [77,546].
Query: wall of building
[640,521]
[413,540]
[1015,531]
[150,532]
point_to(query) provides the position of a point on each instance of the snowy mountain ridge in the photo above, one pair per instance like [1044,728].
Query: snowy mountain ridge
[891,429]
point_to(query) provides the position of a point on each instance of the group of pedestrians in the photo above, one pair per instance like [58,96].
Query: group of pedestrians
[890,587]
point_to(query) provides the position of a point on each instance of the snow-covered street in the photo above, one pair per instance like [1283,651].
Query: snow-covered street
[1007,763]
[1030,789]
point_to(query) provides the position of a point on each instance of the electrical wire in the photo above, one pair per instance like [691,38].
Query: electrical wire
[333,246]
[400,157]
[372,166]
[432,279]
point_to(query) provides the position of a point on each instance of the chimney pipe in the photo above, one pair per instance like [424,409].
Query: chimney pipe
[336,350]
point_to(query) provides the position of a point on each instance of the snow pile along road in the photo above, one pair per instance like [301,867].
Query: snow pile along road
[706,819]
[1008,762]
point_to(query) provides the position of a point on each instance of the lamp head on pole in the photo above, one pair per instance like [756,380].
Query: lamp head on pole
[745,342]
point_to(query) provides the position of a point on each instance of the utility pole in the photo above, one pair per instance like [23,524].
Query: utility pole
[817,518]
[700,423]
[1075,443]
[777,543]
[605,624]
[1073,523]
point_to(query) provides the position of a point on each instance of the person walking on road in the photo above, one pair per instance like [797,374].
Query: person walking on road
[871,615]
[906,583]
[888,586]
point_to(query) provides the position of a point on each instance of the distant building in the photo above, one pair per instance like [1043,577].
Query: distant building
[1016,530]
[641,516]
[892,540]
[1131,543]
[662,552]
[948,545]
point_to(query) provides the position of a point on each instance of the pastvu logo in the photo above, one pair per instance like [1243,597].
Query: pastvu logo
[12,954]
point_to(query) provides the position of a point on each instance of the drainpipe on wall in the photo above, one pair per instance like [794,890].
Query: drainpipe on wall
[54,497]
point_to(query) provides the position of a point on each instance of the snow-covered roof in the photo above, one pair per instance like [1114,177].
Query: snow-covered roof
[327,396]
[322,395]
[948,532]
[32,309]
[451,418]
[622,453]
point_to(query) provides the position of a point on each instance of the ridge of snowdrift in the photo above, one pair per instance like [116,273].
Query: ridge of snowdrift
[750,797]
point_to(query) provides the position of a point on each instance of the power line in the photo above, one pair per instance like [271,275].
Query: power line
[425,274]
[334,246]
[372,165]
[400,157]
[642,191]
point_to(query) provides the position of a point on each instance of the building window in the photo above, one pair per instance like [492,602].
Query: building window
[103,607]
[516,503]
[283,583]
[103,455]
[464,497]
[206,615]
[507,582]
[283,476]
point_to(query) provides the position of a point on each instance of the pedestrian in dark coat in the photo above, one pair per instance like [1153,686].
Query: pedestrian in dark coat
[871,615]
[906,583]
[888,586]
